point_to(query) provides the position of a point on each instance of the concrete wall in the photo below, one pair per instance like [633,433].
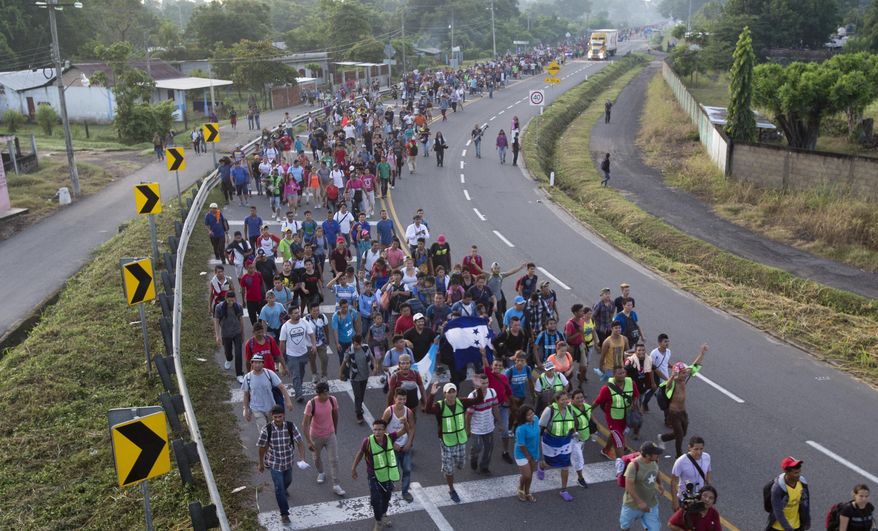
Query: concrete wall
[790,169]
[95,104]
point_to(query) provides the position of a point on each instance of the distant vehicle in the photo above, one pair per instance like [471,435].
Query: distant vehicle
[603,44]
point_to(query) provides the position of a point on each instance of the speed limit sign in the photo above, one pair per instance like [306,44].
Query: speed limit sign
[537,97]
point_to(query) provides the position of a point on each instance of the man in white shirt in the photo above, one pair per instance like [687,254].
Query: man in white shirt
[297,341]
[371,255]
[414,231]
[294,225]
[661,357]
[481,421]
[344,219]
[691,467]
[337,176]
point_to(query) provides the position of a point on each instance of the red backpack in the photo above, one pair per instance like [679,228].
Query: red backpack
[622,466]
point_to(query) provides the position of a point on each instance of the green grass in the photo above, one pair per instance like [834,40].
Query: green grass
[832,324]
[102,137]
[84,357]
[838,226]
[35,191]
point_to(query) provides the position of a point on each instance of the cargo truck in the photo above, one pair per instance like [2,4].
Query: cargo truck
[603,44]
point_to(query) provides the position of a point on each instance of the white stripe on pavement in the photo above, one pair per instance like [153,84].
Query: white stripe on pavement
[503,238]
[468,142]
[347,510]
[463,153]
[720,388]
[335,386]
[462,179]
[493,118]
[430,507]
[553,278]
[367,415]
[511,106]
[501,112]
[481,217]
[461,164]
[841,460]
[466,193]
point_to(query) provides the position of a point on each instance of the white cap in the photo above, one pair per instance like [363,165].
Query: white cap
[213,205]
[449,387]
[418,316]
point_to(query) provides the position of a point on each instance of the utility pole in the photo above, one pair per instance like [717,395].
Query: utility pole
[493,33]
[402,20]
[689,20]
[56,56]
[452,31]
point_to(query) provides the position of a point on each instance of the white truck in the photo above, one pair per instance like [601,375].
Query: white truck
[603,44]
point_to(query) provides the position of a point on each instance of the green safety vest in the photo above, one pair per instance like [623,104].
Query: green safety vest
[557,385]
[621,403]
[383,461]
[453,427]
[583,417]
[560,427]
[668,385]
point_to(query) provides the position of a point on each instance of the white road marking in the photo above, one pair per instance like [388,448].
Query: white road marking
[348,510]
[841,460]
[463,153]
[430,507]
[493,118]
[479,214]
[720,388]
[367,415]
[484,125]
[503,239]
[511,106]
[553,278]
[545,86]
[468,142]
[462,179]
[466,193]
[461,164]
[501,112]
[335,386]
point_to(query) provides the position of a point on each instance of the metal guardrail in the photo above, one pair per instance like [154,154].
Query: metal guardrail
[192,220]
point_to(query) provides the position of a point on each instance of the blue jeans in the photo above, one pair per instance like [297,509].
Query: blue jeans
[404,460]
[502,152]
[296,365]
[379,496]
[282,480]
[649,520]
[478,144]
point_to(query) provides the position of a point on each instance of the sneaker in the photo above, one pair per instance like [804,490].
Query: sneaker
[321,477]
[285,519]
[541,474]
[300,399]
[566,496]
[582,482]
[227,365]
[605,454]
[507,458]
[454,497]
[338,490]
[240,379]
[407,496]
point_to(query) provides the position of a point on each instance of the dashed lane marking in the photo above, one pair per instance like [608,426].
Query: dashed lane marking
[479,214]
[503,239]
[553,278]
[466,194]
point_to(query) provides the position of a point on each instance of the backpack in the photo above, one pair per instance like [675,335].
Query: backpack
[289,425]
[661,397]
[276,393]
[766,496]
[622,466]
[224,309]
[833,519]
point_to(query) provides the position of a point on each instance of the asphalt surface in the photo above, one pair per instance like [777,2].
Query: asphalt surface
[645,186]
[76,231]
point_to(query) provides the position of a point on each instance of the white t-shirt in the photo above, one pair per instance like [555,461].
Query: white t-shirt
[294,225]
[371,258]
[297,336]
[337,178]
[686,471]
[413,232]
[344,220]
[661,361]
[538,385]
[482,419]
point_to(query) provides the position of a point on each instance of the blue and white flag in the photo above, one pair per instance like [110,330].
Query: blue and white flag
[556,450]
[427,365]
[467,335]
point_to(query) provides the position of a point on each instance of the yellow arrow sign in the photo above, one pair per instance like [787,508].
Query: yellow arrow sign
[176,159]
[551,80]
[211,132]
[147,199]
[140,448]
[138,281]
[553,68]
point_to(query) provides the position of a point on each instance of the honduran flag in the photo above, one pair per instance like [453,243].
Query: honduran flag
[556,450]
[467,335]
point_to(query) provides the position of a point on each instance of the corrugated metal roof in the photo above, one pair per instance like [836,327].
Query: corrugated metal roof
[27,79]
[190,83]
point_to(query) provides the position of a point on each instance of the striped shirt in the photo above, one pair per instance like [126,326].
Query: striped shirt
[347,292]
[482,416]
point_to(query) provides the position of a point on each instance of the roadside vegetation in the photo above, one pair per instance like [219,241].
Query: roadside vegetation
[84,357]
[832,324]
[838,226]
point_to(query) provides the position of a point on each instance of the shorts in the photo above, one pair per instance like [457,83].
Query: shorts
[617,436]
[649,520]
[241,189]
[521,462]
[452,457]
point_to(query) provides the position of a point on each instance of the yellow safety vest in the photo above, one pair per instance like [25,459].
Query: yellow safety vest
[383,460]
[557,385]
[561,427]
[583,417]
[453,426]
[621,402]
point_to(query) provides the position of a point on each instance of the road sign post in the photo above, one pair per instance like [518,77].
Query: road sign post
[176,159]
[138,282]
[140,448]
[147,200]
[212,136]
[154,237]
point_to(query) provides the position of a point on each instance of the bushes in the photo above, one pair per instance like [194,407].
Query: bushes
[46,118]
[14,120]
[140,121]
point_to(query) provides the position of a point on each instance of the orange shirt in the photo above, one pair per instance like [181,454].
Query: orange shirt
[562,363]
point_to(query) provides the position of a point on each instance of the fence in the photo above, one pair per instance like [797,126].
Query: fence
[714,140]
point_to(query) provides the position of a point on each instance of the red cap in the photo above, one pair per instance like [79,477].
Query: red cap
[790,462]
[441,238]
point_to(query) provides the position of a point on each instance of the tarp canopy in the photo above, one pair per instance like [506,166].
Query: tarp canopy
[191,83]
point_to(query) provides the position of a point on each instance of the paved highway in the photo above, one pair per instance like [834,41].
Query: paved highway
[758,400]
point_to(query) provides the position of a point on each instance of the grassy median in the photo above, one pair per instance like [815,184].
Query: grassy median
[833,324]
[84,357]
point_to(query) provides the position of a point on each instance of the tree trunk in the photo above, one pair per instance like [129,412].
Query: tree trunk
[800,132]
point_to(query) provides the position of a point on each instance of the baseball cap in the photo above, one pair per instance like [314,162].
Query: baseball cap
[679,367]
[441,238]
[257,357]
[519,300]
[548,366]
[605,290]
[624,285]
[449,387]
[650,448]
[213,205]
[790,462]
[418,316]
[545,284]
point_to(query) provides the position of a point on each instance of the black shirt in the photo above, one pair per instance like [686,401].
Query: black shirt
[507,344]
[420,342]
[620,303]
[860,519]
[441,255]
